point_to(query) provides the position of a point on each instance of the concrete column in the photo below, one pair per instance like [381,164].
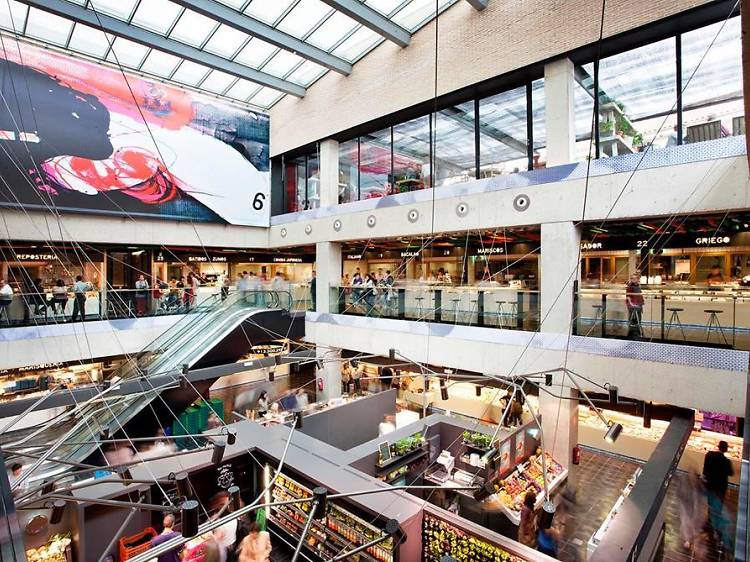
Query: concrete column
[559,419]
[328,270]
[633,258]
[558,270]
[559,82]
[329,173]
[329,375]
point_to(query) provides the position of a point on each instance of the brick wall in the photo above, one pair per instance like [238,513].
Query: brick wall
[473,46]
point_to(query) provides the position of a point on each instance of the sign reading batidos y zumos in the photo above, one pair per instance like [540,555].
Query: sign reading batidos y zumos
[77,136]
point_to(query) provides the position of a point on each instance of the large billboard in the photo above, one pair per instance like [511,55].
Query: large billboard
[77,136]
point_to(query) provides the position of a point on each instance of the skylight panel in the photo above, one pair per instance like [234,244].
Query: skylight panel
[190,73]
[268,11]
[121,9]
[48,27]
[357,44]
[306,73]
[88,40]
[266,97]
[226,41]
[255,53]
[156,15]
[13,15]
[304,17]
[193,28]
[282,63]
[217,81]
[127,53]
[160,63]
[332,31]
[242,89]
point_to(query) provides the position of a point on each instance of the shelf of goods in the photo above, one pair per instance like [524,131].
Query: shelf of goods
[639,442]
[511,490]
[56,550]
[339,532]
[442,540]
[599,534]
[408,454]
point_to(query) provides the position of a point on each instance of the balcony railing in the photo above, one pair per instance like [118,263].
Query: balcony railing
[706,317]
[491,307]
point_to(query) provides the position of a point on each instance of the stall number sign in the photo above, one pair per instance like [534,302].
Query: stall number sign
[711,240]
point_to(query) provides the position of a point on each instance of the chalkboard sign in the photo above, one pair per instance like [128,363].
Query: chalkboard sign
[385,452]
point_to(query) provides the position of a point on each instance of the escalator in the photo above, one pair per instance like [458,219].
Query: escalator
[214,332]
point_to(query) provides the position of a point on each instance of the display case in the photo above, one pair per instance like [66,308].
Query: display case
[442,540]
[57,549]
[340,531]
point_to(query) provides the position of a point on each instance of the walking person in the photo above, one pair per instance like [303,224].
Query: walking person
[167,534]
[527,527]
[634,302]
[313,286]
[6,297]
[717,469]
[225,284]
[79,298]
[693,508]
[256,546]
[188,297]
[141,296]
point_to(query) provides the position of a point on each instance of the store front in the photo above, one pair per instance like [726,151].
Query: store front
[22,265]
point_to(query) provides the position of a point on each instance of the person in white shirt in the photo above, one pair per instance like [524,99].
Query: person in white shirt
[302,399]
[79,294]
[6,297]
[14,475]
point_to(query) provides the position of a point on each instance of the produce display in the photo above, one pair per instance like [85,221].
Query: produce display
[535,469]
[441,539]
[478,440]
[54,551]
[511,490]
[339,531]
[404,446]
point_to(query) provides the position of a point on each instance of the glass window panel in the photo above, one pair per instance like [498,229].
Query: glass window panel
[502,133]
[333,30]
[156,15]
[48,27]
[282,63]
[583,100]
[375,164]
[226,41]
[637,89]
[121,9]
[538,116]
[313,181]
[307,73]
[190,73]
[411,155]
[295,192]
[385,7]
[217,81]
[255,53]
[304,17]
[160,63]
[266,97]
[88,40]
[416,13]
[242,89]
[712,99]
[193,28]
[357,44]
[17,12]
[236,4]
[267,10]
[454,145]
[348,171]
[127,53]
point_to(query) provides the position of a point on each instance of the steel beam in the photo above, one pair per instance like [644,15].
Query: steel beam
[255,28]
[478,4]
[373,19]
[150,39]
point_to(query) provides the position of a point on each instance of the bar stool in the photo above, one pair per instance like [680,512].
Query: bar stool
[713,322]
[420,308]
[598,316]
[634,319]
[474,308]
[455,302]
[500,305]
[675,319]
[512,313]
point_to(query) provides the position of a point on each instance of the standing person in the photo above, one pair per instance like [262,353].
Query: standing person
[173,300]
[634,302]
[356,283]
[14,475]
[369,292]
[188,295]
[59,297]
[389,281]
[195,285]
[226,534]
[225,284]
[693,508]
[547,539]
[256,546]
[6,297]
[313,286]
[527,527]
[716,472]
[167,534]
[262,404]
[302,400]
[141,295]
[516,412]
[181,290]
[79,295]
[255,286]
[357,377]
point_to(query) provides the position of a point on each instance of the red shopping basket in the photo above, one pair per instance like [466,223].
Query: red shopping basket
[136,544]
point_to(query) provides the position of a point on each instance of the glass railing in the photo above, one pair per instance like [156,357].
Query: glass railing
[491,307]
[708,317]
[38,309]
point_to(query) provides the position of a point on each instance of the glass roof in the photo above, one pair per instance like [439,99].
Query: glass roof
[312,21]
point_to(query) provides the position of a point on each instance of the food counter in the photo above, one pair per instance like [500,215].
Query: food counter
[599,534]
[286,416]
[639,442]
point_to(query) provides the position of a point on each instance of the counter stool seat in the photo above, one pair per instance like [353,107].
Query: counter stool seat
[455,308]
[675,319]
[599,310]
[500,305]
[713,324]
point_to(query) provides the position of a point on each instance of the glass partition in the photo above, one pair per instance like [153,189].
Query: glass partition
[349,171]
[502,133]
[453,139]
[375,164]
[411,155]
[538,117]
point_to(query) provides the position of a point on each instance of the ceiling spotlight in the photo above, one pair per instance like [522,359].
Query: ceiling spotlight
[218,454]
[320,502]
[231,435]
[547,515]
[477,390]
[614,394]
[271,374]
[613,432]
[58,509]
[189,516]
[481,494]
[183,485]
[548,379]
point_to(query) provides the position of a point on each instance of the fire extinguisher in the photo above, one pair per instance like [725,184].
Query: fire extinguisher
[576,455]
[320,383]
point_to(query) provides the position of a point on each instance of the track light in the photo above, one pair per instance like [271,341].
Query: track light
[183,486]
[391,527]
[613,432]
[231,435]
[48,487]
[58,509]
[298,420]
[105,384]
[647,412]
[218,455]
[614,394]
[319,364]
[443,393]
[481,494]
[104,434]
[548,379]
[126,475]
[392,354]
[478,390]
[189,516]
[547,515]
[234,498]
[271,374]
[183,378]
[320,502]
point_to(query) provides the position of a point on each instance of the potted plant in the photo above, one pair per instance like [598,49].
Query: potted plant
[606,128]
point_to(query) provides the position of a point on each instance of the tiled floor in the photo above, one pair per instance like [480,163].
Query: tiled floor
[601,478]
